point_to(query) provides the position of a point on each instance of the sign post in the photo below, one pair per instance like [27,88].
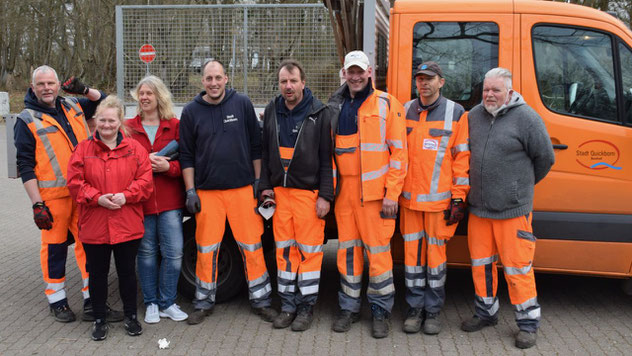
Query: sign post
[147,54]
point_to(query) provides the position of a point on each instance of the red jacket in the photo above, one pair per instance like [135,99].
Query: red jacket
[169,183]
[95,170]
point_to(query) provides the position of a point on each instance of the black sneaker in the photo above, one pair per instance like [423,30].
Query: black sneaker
[414,319]
[267,314]
[475,324]
[111,315]
[99,330]
[344,320]
[132,326]
[303,319]
[63,313]
[381,322]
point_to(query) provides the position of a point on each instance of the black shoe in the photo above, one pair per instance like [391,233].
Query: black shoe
[267,314]
[344,320]
[132,326]
[432,324]
[198,316]
[63,313]
[525,339]
[111,315]
[414,319]
[283,320]
[99,330]
[304,318]
[381,322]
[475,324]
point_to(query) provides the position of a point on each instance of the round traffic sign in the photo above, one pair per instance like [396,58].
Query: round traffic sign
[147,53]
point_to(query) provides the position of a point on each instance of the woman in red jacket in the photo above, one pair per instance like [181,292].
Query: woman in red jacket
[160,252]
[109,175]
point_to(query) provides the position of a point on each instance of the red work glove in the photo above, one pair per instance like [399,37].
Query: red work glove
[42,216]
[73,85]
[455,212]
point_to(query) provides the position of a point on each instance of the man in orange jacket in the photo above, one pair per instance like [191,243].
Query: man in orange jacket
[46,133]
[433,197]
[371,160]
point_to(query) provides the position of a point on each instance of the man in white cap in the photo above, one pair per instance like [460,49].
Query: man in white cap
[371,159]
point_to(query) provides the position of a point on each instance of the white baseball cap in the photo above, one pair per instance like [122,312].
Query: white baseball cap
[356,58]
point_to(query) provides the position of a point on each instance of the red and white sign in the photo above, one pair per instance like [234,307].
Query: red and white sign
[147,53]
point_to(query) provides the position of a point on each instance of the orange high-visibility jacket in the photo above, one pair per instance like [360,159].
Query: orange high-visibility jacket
[438,155]
[53,147]
[383,153]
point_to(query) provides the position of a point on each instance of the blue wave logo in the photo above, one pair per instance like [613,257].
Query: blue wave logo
[604,164]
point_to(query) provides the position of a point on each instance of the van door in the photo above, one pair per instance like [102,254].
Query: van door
[579,78]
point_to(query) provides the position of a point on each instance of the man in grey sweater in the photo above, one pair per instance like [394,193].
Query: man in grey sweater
[510,152]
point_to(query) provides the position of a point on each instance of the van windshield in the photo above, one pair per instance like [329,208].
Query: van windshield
[464,50]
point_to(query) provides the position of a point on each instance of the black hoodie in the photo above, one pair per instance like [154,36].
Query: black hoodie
[220,141]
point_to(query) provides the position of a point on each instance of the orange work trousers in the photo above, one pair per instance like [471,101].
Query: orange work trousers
[425,237]
[54,250]
[238,205]
[360,228]
[512,240]
[299,236]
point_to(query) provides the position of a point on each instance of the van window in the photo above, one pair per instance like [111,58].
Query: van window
[574,70]
[626,74]
[464,50]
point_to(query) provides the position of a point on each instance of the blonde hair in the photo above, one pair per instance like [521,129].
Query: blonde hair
[163,96]
[113,102]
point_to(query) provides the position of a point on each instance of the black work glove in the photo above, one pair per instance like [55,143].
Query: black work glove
[73,85]
[42,216]
[455,212]
[193,201]
[255,188]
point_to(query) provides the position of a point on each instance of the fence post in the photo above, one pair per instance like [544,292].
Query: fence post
[245,51]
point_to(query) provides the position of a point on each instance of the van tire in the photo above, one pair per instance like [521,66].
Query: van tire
[230,273]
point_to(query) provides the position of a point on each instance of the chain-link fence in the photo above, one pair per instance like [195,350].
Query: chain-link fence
[251,41]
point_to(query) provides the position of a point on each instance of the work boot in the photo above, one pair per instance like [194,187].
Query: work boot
[525,339]
[99,330]
[432,324]
[111,315]
[413,321]
[132,326]
[198,316]
[283,320]
[475,323]
[344,320]
[63,313]
[381,322]
[267,314]
[304,318]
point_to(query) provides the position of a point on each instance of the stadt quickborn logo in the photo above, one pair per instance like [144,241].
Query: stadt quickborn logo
[598,154]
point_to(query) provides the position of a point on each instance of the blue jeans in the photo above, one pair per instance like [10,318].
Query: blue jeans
[162,243]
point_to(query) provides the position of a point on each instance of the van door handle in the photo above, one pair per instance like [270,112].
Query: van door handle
[560,147]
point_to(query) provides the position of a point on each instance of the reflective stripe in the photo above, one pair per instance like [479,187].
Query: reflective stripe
[389,289]
[433,196]
[283,288]
[249,247]
[310,248]
[375,174]
[287,275]
[378,249]
[489,304]
[382,277]
[207,249]
[435,241]
[60,181]
[414,236]
[85,293]
[395,164]
[416,282]
[354,293]
[383,107]
[406,195]
[258,281]
[307,290]
[351,279]
[484,261]
[533,302]
[203,296]
[285,243]
[86,282]
[349,243]
[306,276]
[534,314]
[57,296]
[443,145]
[460,148]
[340,151]
[526,235]
[210,286]
[373,147]
[516,270]
[461,181]
[414,269]
[395,143]
[437,270]
[261,292]
[437,283]
[56,286]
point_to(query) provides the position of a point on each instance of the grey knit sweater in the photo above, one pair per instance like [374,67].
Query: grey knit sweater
[510,153]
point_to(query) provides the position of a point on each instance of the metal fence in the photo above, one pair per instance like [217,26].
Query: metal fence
[251,41]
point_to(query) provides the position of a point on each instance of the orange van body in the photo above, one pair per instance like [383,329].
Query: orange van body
[561,56]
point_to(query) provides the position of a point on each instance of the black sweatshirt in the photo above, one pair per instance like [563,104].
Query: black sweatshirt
[220,141]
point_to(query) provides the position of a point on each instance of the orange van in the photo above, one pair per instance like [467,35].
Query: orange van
[573,65]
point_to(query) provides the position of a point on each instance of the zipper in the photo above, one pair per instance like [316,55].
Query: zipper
[298,137]
[360,155]
[491,126]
